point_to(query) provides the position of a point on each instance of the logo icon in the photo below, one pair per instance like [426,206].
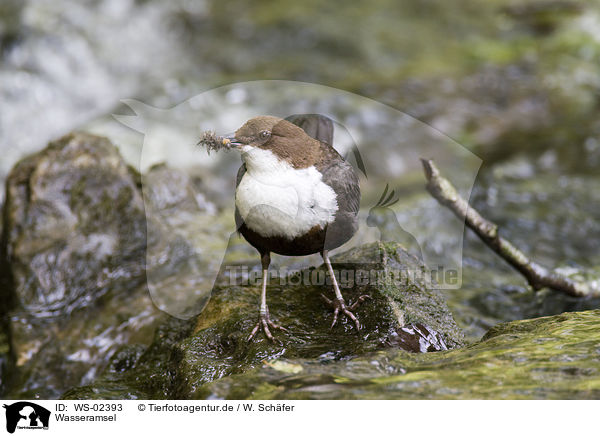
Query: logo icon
[26,415]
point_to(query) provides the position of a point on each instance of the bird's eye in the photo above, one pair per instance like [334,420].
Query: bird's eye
[265,134]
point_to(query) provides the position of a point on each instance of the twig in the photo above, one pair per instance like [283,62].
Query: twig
[537,276]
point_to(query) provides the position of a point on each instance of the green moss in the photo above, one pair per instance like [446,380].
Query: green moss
[553,357]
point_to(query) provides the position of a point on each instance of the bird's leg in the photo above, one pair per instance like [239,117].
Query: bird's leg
[338,304]
[264,321]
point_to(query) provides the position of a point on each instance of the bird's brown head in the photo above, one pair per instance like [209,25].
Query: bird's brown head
[283,139]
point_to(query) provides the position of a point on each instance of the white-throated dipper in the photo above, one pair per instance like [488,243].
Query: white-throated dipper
[295,196]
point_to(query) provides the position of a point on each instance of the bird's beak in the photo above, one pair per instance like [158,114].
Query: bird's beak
[233,142]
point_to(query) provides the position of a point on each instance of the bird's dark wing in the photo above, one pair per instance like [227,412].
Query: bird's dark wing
[340,175]
[342,178]
[240,174]
[316,126]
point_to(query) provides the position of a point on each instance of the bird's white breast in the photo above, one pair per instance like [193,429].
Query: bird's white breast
[274,199]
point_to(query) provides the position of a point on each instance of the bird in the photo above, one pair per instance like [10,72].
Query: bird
[295,196]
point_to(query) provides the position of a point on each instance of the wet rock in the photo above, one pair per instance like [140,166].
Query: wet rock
[72,265]
[405,315]
[138,372]
[74,225]
[546,358]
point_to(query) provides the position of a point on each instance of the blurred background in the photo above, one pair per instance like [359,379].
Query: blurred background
[516,83]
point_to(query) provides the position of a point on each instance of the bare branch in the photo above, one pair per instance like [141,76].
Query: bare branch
[537,276]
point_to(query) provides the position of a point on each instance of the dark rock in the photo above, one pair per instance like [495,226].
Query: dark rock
[72,265]
[74,225]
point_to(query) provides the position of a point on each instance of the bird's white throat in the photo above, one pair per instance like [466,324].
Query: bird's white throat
[274,199]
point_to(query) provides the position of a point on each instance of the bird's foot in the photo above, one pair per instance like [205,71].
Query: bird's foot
[339,306]
[265,323]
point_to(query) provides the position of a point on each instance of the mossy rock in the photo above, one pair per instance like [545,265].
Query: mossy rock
[546,358]
[408,316]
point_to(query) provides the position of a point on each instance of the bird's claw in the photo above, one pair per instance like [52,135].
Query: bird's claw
[339,306]
[265,322]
